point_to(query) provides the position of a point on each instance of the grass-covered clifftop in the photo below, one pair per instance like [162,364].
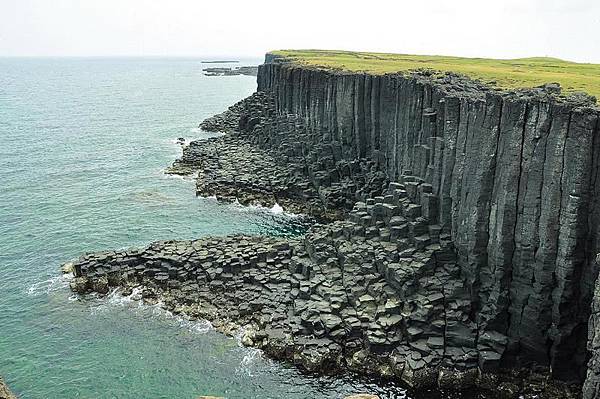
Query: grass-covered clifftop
[503,74]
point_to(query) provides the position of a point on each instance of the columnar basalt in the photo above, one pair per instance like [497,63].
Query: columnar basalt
[270,159]
[513,180]
[379,293]
[460,248]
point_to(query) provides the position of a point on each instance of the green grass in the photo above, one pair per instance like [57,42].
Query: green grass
[503,74]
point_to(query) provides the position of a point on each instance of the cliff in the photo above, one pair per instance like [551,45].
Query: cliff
[458,249]
[512,176]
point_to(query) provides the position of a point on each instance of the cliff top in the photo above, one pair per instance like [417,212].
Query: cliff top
[503,74]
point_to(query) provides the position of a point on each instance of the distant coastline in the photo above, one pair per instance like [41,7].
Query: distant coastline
[228,71]
[221,62]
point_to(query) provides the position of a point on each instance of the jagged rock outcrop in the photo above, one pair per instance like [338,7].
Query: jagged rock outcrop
[513,179]
[270,159]
[5,393]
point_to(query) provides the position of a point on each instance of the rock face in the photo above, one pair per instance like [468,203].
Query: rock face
[512,177]
[459,247]
[5,392]
[267,158]
[591,388]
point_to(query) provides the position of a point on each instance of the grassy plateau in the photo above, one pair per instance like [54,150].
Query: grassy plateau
[503,74]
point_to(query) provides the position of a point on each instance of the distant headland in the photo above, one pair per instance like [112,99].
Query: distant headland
[220,62]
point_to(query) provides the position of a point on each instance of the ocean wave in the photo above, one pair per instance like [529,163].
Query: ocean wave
[252,358]
[48,286]
[277,209]
[179,142]
[208,198]
[274,210]
[133,302]
[163,173]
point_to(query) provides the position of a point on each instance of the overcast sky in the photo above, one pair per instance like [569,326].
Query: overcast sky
[568,29]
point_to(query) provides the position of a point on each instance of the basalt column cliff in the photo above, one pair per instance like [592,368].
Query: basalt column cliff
[461,227]
[512,177]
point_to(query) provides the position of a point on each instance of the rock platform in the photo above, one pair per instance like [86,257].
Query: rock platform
[378,293]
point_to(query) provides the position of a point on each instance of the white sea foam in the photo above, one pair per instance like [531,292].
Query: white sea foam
[50,285]
[187,178]
[196,326]
[200,134]
[251,357]
[274,210]
[209,198]
[179,142]
[277,209]
[137,306]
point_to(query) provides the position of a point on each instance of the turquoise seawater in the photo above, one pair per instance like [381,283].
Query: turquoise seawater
[83,147]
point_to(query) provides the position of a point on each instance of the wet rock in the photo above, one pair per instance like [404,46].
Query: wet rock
[100,285]
[67,268]
[5,393]
[80,285]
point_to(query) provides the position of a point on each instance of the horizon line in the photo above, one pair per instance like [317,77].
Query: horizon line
[208,57]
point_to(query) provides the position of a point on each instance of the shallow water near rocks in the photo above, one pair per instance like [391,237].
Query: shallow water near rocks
[83,147]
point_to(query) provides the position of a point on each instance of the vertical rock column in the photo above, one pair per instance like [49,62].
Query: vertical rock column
[513,177]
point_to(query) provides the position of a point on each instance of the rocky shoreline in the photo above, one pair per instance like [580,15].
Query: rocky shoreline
[226,71]
[267,159]
[374,289]
[5,393]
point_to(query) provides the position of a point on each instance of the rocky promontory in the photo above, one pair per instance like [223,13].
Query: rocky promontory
[456,239]
[226,71]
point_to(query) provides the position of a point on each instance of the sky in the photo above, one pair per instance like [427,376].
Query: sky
[568,29]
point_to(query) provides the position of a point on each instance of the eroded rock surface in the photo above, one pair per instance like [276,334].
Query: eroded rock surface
[591,388]
[5,393]
[513,179]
